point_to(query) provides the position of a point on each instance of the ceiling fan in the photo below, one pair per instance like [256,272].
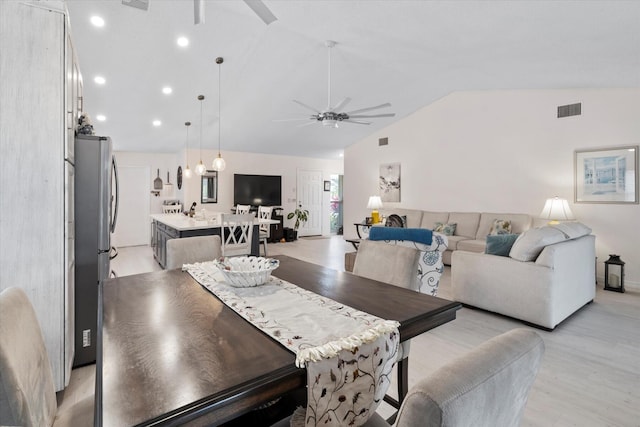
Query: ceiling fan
[258,7]
[333,115]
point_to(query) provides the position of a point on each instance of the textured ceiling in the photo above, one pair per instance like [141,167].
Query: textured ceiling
[409,53]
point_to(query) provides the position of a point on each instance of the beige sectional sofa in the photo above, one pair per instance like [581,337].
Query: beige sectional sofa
[472,228]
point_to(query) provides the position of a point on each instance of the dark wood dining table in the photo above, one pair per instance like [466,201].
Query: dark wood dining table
[173,354]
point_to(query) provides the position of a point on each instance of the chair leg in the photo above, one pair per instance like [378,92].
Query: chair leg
[403,379]
[264,241]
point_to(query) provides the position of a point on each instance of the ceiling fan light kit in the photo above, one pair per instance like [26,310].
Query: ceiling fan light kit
[333,115]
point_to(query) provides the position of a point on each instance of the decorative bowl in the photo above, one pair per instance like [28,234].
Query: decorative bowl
[244,272]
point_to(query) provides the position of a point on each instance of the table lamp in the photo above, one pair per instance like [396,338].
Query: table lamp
[556,210]
[375,203]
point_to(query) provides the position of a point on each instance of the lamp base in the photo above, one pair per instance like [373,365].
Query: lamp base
[375,217]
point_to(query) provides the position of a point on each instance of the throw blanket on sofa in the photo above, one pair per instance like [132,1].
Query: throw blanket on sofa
[420,235]
[349,354]
[430,265]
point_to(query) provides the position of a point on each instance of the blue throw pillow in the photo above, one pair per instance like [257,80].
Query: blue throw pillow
[500,244]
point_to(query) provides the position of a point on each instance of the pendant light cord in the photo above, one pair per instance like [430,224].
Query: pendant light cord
[219,109]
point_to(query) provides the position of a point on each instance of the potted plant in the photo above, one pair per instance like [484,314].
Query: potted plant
[301,216]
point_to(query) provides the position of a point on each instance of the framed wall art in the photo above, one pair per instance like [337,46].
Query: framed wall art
[390,182]
[606,175]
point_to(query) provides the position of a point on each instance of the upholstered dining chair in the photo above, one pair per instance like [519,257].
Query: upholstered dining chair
[395,265]
[264,212]
[188,250]
[27,393]
[488,386]
[237,234]
[242,209]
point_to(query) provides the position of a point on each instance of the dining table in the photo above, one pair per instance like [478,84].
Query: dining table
[171,353]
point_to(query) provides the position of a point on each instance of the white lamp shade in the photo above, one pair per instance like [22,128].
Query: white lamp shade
[200,169]
[557,209]
[375,202]
[187,172]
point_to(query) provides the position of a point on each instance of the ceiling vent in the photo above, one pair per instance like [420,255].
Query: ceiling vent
[570,110]
[383,141]
[138,4]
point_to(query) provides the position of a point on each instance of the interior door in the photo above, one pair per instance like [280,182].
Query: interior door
[133,214]
[310,196]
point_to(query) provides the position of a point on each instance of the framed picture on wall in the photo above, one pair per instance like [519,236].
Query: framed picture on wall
[606,175]
[327,185]
[390,182]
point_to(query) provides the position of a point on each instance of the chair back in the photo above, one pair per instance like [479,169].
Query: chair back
[264,212]
[174,209]
[192,249]
[396,265]
[242,209]
[27,392]
[489,386]
[237,234]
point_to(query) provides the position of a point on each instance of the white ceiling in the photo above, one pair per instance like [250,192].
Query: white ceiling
[409,53]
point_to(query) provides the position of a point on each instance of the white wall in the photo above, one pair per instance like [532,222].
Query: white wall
[503,151]
[237,162]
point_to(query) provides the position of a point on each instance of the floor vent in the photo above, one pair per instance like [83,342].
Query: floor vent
[570,110]
[383,141]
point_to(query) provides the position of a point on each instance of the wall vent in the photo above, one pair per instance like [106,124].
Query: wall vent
[570,110]
[383,141]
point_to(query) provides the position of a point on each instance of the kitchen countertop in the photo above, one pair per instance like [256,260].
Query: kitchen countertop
[182,222]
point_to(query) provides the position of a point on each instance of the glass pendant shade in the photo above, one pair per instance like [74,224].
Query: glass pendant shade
[188,173]
[218,163]
[200,169]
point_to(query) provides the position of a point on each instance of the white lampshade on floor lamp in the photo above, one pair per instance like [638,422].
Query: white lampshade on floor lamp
[375,203]
[556,210]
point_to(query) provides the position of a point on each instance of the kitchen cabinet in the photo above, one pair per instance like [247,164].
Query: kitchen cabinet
[40,85]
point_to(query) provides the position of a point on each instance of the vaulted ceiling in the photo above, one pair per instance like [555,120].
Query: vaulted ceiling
[408,53]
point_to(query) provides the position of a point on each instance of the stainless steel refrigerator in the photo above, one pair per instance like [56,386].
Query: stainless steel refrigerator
[96,210]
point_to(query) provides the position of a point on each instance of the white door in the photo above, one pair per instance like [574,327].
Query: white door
[310,196]
[133,226]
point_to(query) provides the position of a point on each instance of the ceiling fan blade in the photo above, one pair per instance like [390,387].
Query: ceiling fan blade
[307,107]
[360,122]
[293,120]
[387,104]
[367,116]
[340,105]
[261,10]
[198,12]
[306,124]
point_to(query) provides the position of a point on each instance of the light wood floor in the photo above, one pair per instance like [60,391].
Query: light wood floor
[590,374]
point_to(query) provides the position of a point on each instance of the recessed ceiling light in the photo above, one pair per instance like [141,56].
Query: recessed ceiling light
[183,41]
[97,21]
[167,90]
[101,118]
[157,122]
[341,154]
[99,80]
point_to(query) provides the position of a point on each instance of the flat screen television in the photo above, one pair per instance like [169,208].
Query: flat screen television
[256,190]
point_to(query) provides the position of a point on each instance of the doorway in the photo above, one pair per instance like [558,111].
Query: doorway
[133,227]
[335,205]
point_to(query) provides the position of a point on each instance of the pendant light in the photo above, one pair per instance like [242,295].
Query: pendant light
[218,163]
[200,169]
[187,172]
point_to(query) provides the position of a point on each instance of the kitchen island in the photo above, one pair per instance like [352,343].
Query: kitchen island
[175,226]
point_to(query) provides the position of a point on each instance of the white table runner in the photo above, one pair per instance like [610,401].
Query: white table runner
[348,353]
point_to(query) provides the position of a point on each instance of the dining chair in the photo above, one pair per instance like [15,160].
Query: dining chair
[27,392]
[395,265]
[237,234]
[488,386]
[264,212]
[188,250]
[242,209]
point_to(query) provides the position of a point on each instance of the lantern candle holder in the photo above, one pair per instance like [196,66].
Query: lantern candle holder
[614,274]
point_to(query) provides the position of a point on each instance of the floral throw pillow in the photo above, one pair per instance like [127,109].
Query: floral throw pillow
[500,226]
[446,229]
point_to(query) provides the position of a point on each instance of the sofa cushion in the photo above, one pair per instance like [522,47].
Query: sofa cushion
[529,244]
[467,223]
[453,242]
[471,245]
[430,218]
[446,229]
[414,216]
[519,223]
[500,226]
[572,230]
[500,244]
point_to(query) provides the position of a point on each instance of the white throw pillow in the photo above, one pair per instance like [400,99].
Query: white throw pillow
[530,243]
[572,230]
